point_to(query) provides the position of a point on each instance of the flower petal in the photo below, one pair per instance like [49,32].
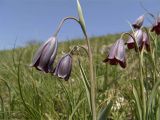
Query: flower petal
[46,54]
[120,53]
[138,35]
[52,58]
[63,69]
[156,26]
[123,64]
[113,50]
[38,53]
[138,23]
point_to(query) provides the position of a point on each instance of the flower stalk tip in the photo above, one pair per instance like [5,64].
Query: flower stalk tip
[81,18]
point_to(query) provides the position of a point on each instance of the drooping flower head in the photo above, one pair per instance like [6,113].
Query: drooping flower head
[139,22]
[117,54]
[64,67]
[156,26]
[138,35]
[141,39]
[45,55]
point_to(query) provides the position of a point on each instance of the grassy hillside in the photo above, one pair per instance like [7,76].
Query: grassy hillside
[28,94]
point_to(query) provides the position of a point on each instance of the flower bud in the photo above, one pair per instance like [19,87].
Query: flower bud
[139,22]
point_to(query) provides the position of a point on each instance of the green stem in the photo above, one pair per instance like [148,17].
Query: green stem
[142,88]
[61,23]
[91,69]
[106,80]
[20,89]
[155,59]
[92,79]
[2,108]
[142,85]
[76,48]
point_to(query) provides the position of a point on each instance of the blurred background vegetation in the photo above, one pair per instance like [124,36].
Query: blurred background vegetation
[28,94]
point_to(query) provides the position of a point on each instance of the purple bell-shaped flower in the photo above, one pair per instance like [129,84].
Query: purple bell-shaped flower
[64,67]
[156,26]
[138,35]
[117,54]
[45,55]
[142,40]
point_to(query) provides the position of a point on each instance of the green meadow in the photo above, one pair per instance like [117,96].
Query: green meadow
[29,94]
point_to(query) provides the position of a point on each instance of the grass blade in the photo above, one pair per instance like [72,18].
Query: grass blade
[105,111]
[75,109]
[152,95]
[135,93]
[86,85]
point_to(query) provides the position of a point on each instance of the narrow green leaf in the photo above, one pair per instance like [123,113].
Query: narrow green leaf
[85,77]
[2,108]
[152,95]
[86,85]
[103,114]
[137,98]
[67,94]
[75,109]
[158,111]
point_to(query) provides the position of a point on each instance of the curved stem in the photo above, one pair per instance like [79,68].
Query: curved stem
[150,14]
[19,86]
[76,48]
[136,44]
[126,33]
[91,69]
[84,49]
[142,87]
[72,50]
[147,11]
[61,23]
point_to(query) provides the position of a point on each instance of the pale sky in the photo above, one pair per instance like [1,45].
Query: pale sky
[26,20]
